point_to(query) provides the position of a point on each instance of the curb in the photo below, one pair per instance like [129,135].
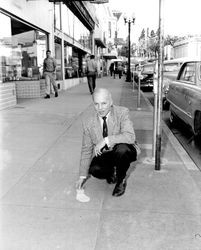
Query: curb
[185,158]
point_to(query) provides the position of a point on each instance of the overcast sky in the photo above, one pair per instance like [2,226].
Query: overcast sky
[180,17]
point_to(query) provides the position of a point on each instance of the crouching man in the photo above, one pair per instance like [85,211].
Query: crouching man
[108,145]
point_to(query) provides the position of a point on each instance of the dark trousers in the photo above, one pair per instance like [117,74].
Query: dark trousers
[91,82]
[121,156]
[120,74]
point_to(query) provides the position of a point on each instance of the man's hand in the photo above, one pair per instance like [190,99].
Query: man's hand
[98,148]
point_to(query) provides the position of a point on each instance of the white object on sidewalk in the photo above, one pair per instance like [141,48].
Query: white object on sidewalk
[81,196]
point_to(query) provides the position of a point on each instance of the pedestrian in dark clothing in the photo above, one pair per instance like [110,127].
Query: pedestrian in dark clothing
[91,68]
[120,70]
[111,68]
[49,71]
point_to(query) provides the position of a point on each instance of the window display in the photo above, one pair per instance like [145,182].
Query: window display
[57,46]
[22,51]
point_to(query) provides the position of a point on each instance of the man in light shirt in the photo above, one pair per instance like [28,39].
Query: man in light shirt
[109,143]
[91,73]
[49,71]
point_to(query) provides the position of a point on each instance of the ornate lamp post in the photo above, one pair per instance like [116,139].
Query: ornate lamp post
[129,21]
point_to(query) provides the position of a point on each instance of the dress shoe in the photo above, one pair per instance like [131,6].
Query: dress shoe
[112,179]
[56,94]
[119,188]
[47,97]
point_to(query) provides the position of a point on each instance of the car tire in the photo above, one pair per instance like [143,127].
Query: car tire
[172,118]
[197,125]
[166,104]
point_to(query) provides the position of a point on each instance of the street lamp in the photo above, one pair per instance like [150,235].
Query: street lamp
[129,21]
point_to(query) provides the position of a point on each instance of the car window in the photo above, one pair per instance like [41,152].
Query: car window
[171,67]
[148,68]
[188,73]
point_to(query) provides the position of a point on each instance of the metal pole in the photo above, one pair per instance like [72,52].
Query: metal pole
[128,76]
[159,99]
[155,91]
[154,128]
[138,94]
[62,45]
[133,82]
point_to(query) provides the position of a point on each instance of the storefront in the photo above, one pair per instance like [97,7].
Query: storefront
[22,50]
[73,41]
[24,39]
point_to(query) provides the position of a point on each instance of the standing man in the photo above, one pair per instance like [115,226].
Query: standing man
[91,73]
[120,70]
[49,71]
[108,145]
[111,68]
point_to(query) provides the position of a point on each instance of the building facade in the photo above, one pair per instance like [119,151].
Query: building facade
[30,27]
[189,47]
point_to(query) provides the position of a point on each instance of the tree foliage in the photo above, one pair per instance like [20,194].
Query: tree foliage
[170,40]
[152,42]
[142,36]
[152,34]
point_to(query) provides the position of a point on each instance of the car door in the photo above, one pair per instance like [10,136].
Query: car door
[187,80]
[193,95]
[175,93]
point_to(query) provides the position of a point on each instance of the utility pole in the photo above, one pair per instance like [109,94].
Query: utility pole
[159,93]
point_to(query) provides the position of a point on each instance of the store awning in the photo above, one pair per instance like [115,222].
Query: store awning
[110,56]
[99,43]
[81,12]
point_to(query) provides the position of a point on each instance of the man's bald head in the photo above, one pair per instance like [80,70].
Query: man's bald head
[102,92]
[102,99]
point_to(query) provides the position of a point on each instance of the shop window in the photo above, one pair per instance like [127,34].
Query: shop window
[22,51]
[68,61]
[57,45]
[74,62]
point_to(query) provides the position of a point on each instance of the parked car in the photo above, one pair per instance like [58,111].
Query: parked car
[184,96]
[147,76]
[170,72]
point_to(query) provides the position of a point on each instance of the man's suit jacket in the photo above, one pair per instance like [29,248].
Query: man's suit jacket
[120,130]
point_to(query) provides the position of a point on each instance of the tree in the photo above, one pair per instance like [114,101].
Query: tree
[170,40]
[153,45]
[150,46]
[142,36]
[152,34]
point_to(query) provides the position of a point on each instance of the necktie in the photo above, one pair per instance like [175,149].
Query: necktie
[105,129]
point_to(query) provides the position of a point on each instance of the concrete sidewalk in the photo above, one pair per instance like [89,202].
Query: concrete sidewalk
[161,210]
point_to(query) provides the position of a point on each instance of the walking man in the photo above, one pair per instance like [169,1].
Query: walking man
[108,145]
[91,73]
[49,71]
